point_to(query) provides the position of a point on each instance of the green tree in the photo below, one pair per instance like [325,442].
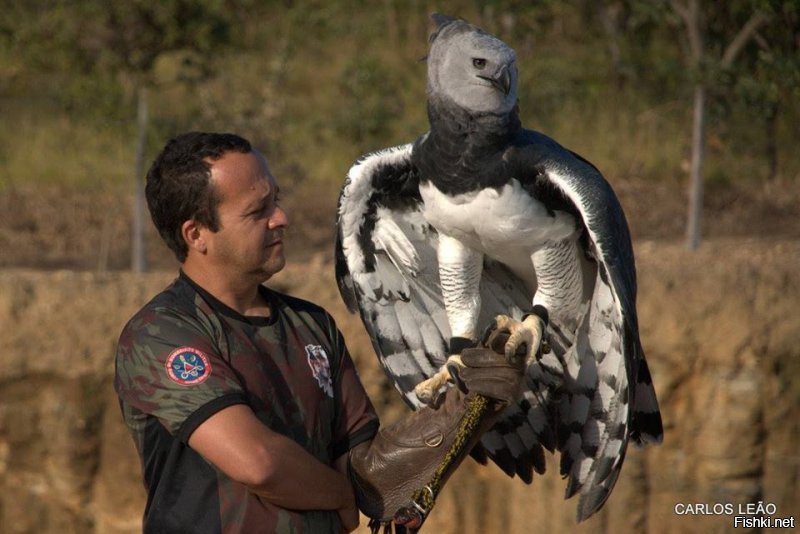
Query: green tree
[127,38]
[768,77]
[121,41]
[717,33]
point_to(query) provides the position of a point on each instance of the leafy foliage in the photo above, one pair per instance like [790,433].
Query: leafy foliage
[316,83]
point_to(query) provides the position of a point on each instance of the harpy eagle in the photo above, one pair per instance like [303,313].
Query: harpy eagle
[478,218]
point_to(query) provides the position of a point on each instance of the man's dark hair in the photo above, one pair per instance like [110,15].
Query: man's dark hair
[179,184]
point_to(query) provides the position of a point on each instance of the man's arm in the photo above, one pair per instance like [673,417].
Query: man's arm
[270,464]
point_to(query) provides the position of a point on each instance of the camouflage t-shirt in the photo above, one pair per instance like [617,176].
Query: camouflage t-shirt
[186,355]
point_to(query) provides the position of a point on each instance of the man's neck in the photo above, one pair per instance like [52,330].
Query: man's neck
[240,294]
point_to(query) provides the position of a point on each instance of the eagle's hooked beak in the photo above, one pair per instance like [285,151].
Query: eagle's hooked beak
[501,80]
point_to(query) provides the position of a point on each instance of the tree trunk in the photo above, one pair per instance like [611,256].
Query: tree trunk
[610,16]
[772,140]
[138,260]
[695,215]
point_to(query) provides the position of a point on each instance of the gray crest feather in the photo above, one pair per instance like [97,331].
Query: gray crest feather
[441,19]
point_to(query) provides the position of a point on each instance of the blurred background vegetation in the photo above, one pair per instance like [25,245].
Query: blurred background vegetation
[316,83]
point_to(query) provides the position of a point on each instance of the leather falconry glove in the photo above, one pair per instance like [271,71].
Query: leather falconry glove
[408,462]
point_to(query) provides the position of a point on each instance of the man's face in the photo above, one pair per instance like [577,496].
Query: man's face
[249,242]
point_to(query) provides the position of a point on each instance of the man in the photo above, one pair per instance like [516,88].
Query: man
[243,403]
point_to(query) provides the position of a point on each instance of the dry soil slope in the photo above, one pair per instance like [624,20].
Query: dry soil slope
[720,327]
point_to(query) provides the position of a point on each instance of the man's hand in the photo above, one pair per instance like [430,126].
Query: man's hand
[349,518]
[348,514]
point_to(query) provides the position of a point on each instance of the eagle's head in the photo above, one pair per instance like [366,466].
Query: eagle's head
[471,68]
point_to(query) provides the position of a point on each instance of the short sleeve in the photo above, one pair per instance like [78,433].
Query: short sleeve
[356,420]
[168,366]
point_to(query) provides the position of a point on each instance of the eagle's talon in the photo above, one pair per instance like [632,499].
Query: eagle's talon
[525,338]
[429,391]
[488,331]
[515,353]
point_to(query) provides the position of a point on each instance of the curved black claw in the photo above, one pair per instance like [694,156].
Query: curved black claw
[495,337]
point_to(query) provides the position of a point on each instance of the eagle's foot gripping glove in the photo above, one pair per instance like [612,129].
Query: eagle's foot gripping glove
[398,475]
[525,339]
[429,392]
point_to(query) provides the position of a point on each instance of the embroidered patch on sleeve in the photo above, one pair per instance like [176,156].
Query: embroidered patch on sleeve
[318,361]
[188,366]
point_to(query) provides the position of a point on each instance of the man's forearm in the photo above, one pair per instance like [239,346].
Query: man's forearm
[270,464]
[298,481]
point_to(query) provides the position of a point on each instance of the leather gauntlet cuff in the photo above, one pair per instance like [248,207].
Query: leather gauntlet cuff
[403,457]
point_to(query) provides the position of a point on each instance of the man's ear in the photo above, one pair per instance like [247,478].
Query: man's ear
[193,234]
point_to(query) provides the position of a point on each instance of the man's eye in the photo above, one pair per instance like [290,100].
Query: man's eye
[478,62]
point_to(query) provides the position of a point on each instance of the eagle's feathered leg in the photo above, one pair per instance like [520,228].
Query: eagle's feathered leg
[559,281]
[559,289]
[460,269]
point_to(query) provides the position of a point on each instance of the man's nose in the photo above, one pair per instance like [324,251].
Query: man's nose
[279,218]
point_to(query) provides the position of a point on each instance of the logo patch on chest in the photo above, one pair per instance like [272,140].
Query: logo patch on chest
[188,366]
[321,369]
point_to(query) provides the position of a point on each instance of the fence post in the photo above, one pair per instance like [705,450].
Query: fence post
[138,260]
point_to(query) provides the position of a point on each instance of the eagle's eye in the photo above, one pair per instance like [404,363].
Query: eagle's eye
[478,62]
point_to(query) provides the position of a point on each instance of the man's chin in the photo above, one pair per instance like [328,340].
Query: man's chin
[273,266]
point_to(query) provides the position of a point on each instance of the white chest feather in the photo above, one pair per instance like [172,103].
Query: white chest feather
[496,222]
